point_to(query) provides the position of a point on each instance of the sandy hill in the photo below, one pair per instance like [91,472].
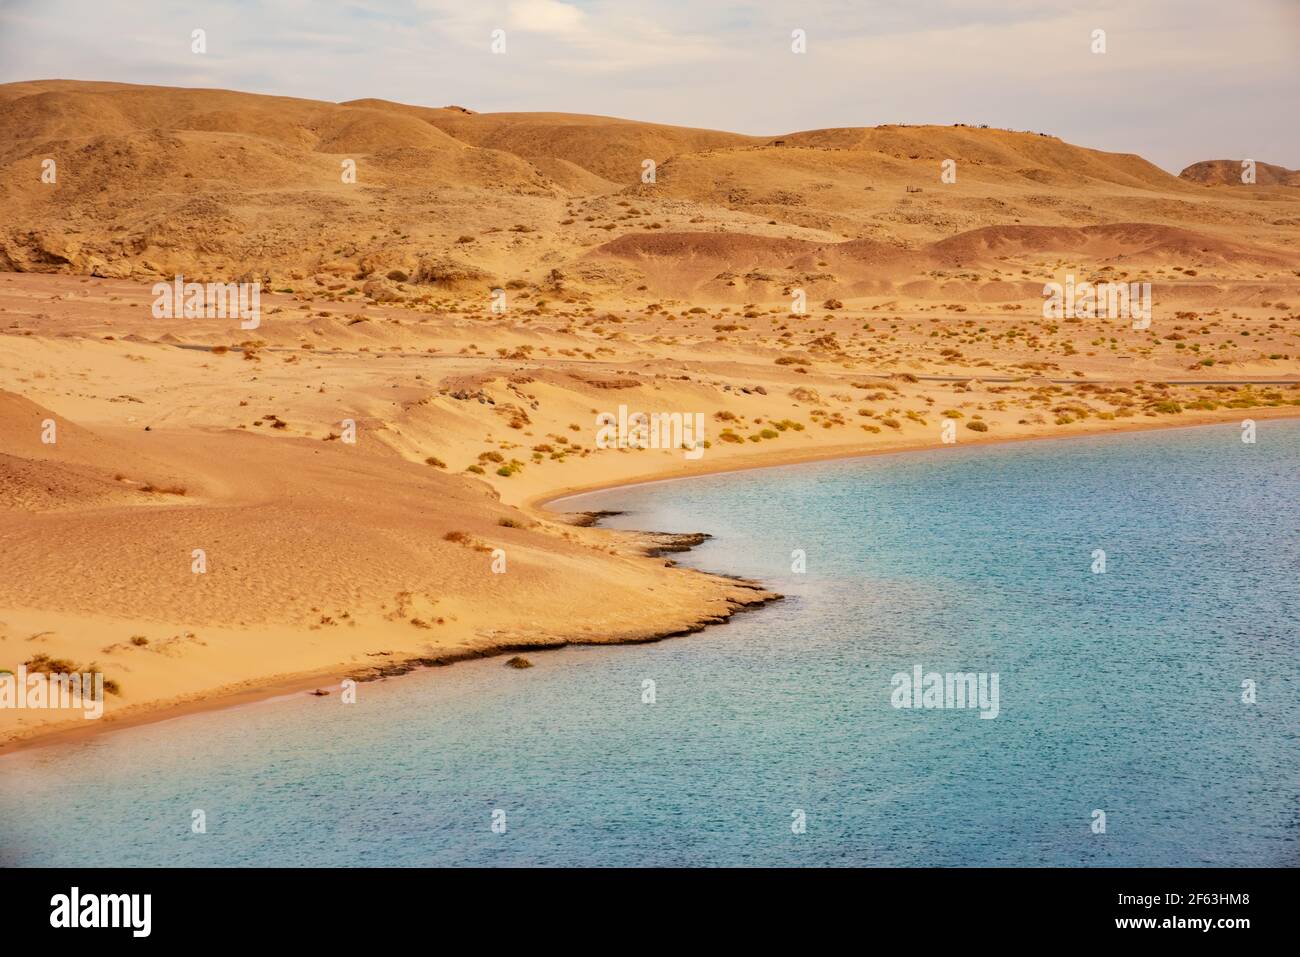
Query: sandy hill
[451,203]
[608,147]
[1034,156]
[1228,173]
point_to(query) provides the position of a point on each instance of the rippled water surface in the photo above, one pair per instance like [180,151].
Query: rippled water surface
[1119,692]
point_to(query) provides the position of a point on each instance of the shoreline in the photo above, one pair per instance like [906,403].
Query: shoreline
[255,690]
[546,500]
[329,680]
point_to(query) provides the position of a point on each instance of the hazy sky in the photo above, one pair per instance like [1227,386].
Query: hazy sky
[1180,81]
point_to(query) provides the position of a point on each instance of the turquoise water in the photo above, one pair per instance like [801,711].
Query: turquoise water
[1119,692]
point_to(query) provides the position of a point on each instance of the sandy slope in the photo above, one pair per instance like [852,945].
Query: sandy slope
[319,557]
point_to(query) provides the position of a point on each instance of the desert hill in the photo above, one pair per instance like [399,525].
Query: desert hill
[1228,173]
[605,146]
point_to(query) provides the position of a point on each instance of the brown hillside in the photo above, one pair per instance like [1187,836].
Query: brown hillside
[1228,173]
[154,181]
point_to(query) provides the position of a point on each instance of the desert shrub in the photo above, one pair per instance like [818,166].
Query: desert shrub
[163,489]
[42,663]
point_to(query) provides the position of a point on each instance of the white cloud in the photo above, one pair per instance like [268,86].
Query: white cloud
[545,16]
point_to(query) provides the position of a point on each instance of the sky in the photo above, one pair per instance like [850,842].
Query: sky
[1179,81]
